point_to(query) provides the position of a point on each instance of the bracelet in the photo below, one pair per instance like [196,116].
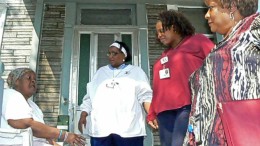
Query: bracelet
[66,136]
[60,135]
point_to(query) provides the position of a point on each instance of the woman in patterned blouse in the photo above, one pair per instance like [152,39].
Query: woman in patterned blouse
[232,69]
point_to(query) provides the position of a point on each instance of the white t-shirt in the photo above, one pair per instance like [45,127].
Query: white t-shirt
[114,102]
[15,107]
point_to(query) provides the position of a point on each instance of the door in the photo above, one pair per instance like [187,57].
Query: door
[89,53]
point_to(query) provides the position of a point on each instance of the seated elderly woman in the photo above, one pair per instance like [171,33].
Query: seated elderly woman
[20,112]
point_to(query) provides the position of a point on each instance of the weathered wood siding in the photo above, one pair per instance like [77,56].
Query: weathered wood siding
[17,35]
[49,66]
[155,49]
[16,50]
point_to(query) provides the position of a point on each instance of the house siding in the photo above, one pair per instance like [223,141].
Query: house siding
[49,66]
[17,45]
[155,48]
[17,35]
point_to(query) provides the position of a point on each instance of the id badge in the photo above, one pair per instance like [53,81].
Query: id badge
[164,73]
[164,60]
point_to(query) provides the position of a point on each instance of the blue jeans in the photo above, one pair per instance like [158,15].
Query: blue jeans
[173,126]
[116,140]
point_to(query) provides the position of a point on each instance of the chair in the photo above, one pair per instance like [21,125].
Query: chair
[6,135]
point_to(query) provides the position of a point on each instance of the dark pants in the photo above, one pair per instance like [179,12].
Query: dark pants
[173,126]
[116,140]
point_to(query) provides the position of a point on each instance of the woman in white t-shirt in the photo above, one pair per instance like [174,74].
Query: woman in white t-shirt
[116,97]
[19,112]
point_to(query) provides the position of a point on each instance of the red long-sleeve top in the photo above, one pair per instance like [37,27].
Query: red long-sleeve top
[174,92]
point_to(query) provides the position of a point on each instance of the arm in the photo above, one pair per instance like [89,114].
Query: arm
[143,89]
[145,96]
[19,115]
[151,118]
[82,121]
[85,108]
[255,30]
[43,131]
[146,106]
[39,129]
[153,123]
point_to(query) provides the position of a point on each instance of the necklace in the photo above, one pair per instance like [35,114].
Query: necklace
[113,83]
[114,76]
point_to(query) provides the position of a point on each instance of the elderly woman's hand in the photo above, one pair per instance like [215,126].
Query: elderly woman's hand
[74,139]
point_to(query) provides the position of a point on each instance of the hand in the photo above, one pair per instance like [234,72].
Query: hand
[154,124]
[82,121]
[52,142]
[75,140]
[56,144]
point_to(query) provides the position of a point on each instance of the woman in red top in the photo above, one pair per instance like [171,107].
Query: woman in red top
[171,101]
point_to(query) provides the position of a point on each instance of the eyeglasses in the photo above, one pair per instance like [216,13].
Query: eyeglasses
[112,53]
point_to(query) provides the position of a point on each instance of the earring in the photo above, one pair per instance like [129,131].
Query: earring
[123,60]
[231,16]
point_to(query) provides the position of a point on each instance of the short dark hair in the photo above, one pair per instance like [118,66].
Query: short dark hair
[129,55]
[178,21]
[245,7]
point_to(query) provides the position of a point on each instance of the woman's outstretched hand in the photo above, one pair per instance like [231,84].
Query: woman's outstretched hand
[75,139]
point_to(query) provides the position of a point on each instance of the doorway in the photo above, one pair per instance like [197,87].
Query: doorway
[89,53]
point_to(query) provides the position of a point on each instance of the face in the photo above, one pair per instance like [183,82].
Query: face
[170,37]
[115,56]
[165,36]
[160,31]
[26,85]
[218,18]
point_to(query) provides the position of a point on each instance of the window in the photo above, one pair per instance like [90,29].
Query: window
[195,14]
[106,15]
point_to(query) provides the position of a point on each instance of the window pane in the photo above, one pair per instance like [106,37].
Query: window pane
[127,38]
[104,40]
[106,17]
[196,17]
[83,65]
